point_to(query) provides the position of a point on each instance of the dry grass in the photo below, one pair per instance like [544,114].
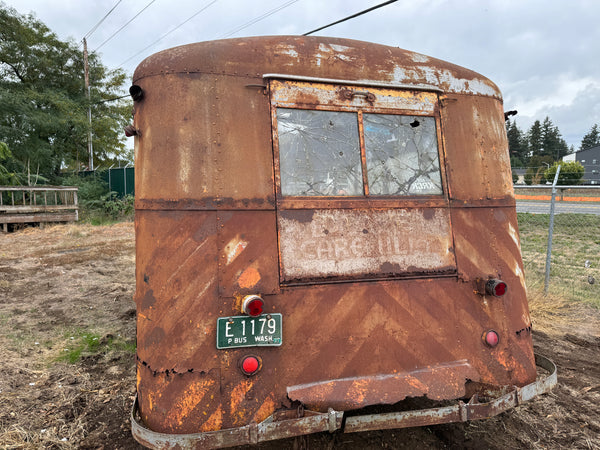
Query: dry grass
[557,314]
[78,280]
[67,331]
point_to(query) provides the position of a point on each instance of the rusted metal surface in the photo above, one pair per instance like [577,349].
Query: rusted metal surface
[181,119]
[396,308]
[280,427]
[294,93]
[317,57]
[475,143]
[439,382]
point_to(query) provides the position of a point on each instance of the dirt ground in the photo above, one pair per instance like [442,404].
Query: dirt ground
[67,378]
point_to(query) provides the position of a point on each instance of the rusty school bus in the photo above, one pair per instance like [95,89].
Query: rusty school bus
[322,225]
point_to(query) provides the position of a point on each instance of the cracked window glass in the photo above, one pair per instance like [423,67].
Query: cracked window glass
[402,155]
[319,153]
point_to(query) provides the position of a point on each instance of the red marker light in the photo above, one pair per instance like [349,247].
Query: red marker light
[491,338]
[253,305]
[250,365]
[496,287]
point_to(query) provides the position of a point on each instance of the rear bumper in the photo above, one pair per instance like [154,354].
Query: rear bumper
[498,401]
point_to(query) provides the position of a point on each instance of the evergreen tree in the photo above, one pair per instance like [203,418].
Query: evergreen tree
[516,144]
[591,139]
[553,144]
[535,139]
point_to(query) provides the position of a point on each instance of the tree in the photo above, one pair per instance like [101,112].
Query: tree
[7,177]
[535,139]
[571,173]
[591,139]
[43,106]
[552,142]
[517,144]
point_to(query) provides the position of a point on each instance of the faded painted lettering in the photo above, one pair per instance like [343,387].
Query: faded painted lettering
[351,242]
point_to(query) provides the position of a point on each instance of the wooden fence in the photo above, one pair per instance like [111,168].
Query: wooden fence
[37,204]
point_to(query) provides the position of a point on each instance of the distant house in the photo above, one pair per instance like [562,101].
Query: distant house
[590,160]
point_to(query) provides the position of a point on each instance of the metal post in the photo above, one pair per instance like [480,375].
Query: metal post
[550,232]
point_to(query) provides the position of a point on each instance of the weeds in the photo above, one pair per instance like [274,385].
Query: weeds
[98,206]
[109,209]
[81,343]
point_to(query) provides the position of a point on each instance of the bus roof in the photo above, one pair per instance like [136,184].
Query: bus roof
[319,58]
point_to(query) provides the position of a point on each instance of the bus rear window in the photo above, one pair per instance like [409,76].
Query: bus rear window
[319,153]
[402,155]
[328,153]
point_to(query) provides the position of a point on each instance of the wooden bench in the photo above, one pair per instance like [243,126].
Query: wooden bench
[37,204]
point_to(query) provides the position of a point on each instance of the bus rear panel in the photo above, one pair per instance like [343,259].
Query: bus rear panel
[322,225]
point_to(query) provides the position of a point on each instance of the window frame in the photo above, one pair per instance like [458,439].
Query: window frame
[359,107]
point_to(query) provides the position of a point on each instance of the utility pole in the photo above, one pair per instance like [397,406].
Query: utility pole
[86,70]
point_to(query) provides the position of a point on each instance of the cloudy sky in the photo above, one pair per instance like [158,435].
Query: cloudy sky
[543,54]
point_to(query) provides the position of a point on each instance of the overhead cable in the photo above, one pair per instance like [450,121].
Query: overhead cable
[168,32]
[120,29]
[351,17]
[257,19]
[89,33]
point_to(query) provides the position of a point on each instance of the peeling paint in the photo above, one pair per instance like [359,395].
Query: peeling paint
[189,399]
[237,396]
[443,78]
[234,248]
[419,58]
[249,278]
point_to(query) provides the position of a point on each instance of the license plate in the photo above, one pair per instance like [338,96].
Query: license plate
[246,331]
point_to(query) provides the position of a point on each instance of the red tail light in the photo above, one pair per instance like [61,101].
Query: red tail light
[250,364]
[496,287]
[252,305]
[491,338]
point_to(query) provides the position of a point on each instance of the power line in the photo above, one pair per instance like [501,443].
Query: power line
[120,29]
[89,33]
[168,32]
[351,17]
[257,19]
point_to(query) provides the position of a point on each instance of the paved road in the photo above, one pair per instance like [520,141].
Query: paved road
[543,207]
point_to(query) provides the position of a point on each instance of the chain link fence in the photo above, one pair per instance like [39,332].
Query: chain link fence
[574,264]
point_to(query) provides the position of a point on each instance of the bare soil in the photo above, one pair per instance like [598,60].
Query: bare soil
[67,379]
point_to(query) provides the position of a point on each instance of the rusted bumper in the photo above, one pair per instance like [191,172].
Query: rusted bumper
[272,429]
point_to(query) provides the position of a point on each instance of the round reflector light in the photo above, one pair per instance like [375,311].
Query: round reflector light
[255,308]
[253,305]
[250,365]
[495,287]
[491,338]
